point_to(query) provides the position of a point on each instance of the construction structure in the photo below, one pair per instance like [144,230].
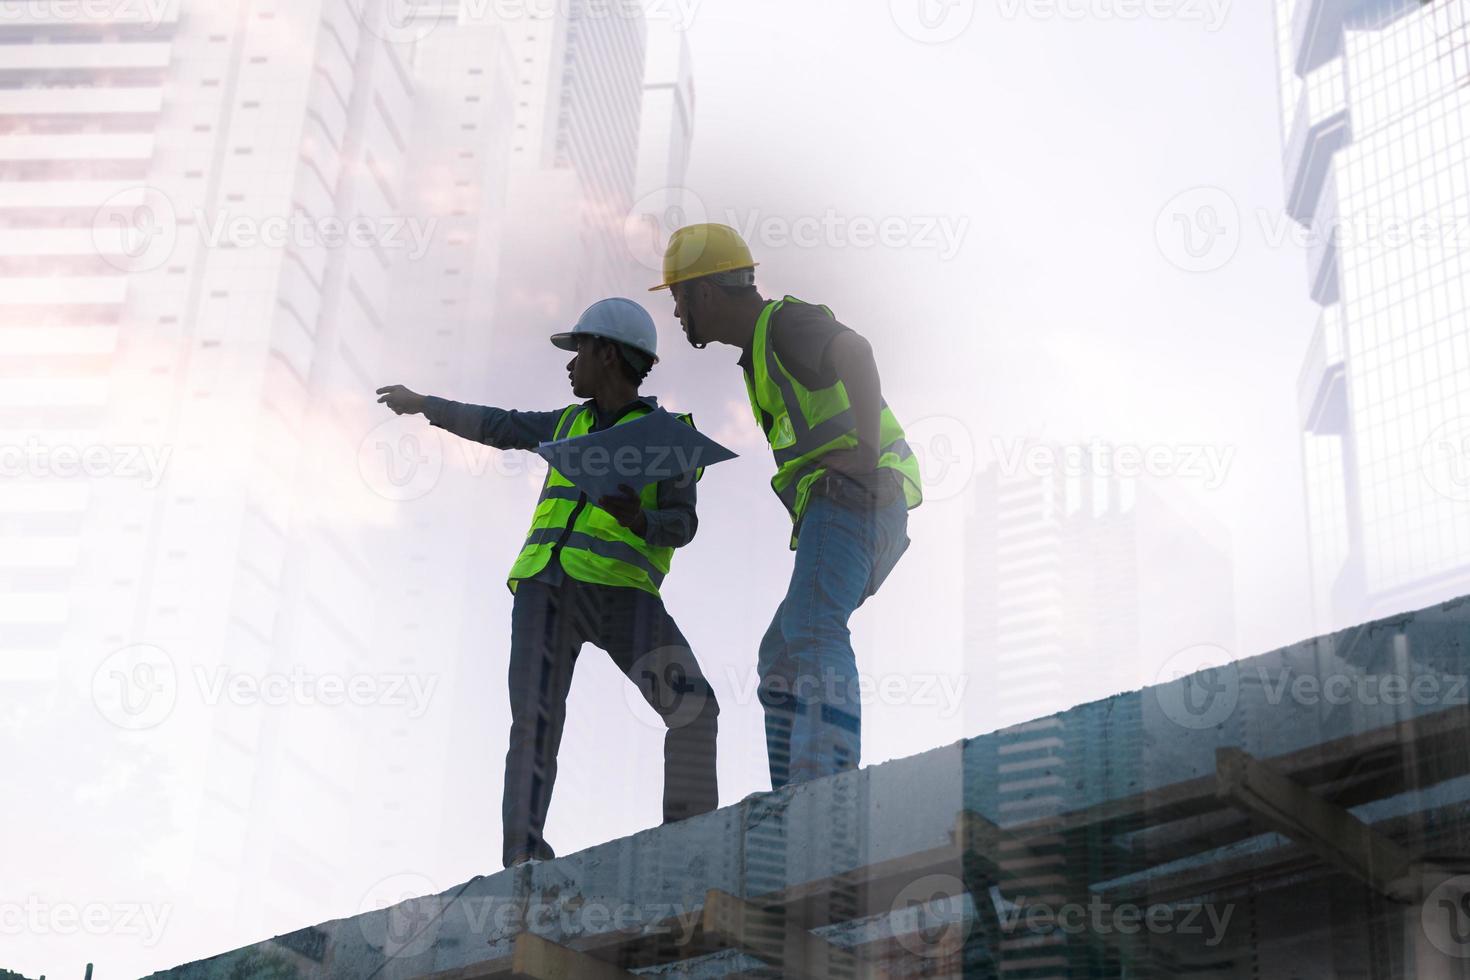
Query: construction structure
[1298,814]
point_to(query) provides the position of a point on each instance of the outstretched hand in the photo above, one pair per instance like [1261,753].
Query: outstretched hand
[401,400]
[627,509]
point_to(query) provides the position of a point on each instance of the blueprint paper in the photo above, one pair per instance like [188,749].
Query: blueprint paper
[649,449]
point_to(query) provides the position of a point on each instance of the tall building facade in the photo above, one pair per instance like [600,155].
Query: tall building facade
[575,158]
[1078,586]
[222,226]
[1375,109]
[663,201]
[1067,568]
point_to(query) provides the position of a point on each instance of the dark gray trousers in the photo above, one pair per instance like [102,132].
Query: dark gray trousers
[549,625]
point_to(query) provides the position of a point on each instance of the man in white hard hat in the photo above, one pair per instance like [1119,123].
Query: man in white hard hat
[590,571]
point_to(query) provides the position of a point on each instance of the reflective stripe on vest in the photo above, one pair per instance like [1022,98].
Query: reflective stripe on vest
[797,441]
[592,546]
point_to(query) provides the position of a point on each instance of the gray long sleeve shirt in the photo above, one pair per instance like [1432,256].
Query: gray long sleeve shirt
[671,525]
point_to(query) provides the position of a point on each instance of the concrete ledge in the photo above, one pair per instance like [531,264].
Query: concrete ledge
[1116,794]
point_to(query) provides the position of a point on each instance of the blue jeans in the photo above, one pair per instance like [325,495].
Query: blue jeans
[808,672]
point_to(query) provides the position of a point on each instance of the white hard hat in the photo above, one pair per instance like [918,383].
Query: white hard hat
[616,319]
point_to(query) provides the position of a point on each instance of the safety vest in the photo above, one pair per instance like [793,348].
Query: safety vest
[593,546]
[803,425]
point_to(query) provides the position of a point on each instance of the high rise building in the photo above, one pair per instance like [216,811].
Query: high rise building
[576,157]
[1079,586]
[441,549]
[1068,568]
[662,198]
[1375,108]
[201,205]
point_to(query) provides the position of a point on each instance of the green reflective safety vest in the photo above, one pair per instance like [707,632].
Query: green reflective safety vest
[593,546]
[802,425]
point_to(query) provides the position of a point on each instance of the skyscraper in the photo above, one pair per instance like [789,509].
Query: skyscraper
[179,183]
[1080,586]
[1375,107]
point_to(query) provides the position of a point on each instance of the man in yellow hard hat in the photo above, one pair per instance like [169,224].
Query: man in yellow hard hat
[843,471]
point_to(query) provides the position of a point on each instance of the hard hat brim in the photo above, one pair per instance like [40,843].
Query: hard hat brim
[568,341]
[698,275]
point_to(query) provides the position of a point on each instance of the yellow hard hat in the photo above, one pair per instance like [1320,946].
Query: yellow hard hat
[703,250]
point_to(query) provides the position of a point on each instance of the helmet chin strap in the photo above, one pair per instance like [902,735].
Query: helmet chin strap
[696,344]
